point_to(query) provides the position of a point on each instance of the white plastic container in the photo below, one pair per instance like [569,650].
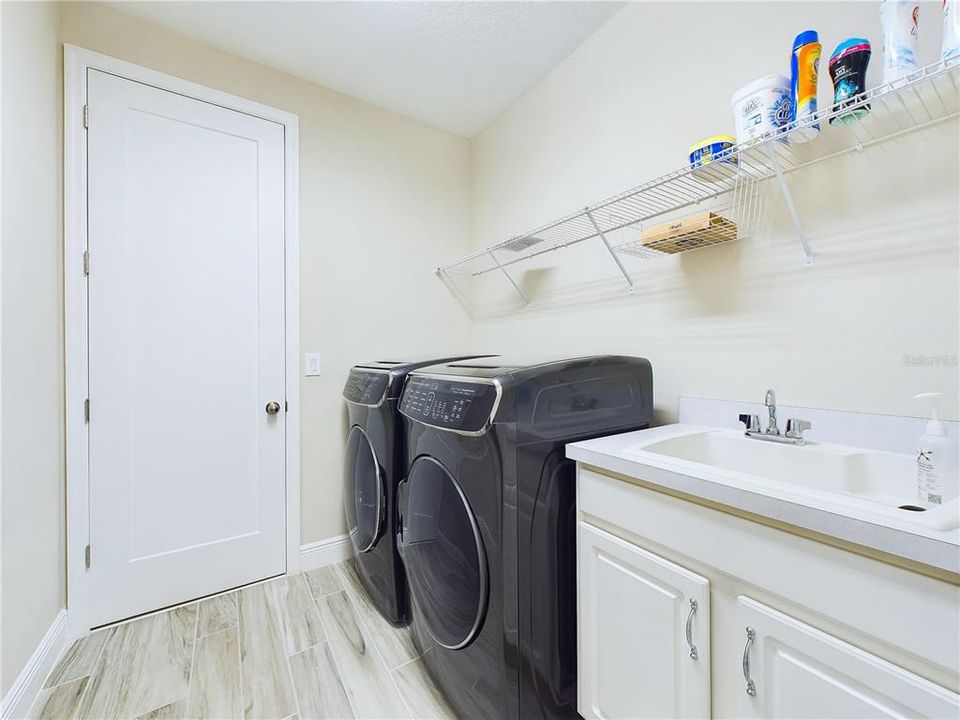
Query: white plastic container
[938,466]
[761,106]
[898,19]
[951,30]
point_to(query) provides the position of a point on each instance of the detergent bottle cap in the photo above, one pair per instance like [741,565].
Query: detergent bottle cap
[805,38]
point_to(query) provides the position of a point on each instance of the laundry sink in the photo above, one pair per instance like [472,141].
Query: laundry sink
[839,478]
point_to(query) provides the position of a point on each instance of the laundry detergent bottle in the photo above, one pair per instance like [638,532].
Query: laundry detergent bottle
[937,462]
[804,70]
[900,37]
[950,45]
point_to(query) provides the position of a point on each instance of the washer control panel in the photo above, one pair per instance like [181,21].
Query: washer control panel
[449,404]
[366,388]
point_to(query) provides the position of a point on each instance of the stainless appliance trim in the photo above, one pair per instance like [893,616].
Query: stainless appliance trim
[481,559]
[381,491]
[460,378]
[386,390]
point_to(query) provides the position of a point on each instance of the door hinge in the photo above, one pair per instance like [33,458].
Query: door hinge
[286,406]
[86,117]
[86,262]
[86,556]
[86,410]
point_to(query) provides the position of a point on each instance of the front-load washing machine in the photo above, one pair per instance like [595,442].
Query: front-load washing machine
[488,521]
[372,467]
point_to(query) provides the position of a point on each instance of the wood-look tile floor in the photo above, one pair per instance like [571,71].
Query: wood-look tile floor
[303,646]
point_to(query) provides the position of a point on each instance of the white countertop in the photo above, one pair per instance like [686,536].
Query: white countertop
[807,509]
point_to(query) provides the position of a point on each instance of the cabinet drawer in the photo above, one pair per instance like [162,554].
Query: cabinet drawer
[797,671]
[643,632]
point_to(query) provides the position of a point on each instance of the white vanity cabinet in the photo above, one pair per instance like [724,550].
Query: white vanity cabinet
[792,670]
[833,633]
[657,668]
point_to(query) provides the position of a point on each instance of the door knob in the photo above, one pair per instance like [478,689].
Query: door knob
[272,408]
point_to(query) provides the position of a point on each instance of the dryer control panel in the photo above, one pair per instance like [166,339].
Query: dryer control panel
[365,387]
[450,404]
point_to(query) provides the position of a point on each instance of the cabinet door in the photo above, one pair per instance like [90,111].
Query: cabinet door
[644,632]
[798,671]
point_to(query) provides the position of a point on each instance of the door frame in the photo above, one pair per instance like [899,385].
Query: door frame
[76,62]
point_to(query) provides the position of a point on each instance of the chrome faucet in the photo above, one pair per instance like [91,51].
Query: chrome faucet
[795,427]
[770,400]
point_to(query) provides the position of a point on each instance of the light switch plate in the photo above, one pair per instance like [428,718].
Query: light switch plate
[311,364]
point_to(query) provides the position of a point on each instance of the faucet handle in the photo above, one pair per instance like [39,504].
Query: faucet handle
[752,422]
[796,428]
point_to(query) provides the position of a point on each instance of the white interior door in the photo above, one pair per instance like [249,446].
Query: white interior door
[186,347]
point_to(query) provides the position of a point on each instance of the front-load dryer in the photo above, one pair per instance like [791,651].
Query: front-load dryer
[372,467]
[488,521]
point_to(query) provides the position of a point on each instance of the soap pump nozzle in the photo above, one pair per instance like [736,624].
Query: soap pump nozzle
[935,426]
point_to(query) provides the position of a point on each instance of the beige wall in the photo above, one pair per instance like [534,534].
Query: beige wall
[372,185]
[728,322]
[32,535]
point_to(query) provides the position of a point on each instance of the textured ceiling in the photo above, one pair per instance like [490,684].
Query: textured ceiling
[455,65]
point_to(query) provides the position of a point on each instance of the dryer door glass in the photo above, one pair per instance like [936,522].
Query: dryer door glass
[443,555]
[363,491]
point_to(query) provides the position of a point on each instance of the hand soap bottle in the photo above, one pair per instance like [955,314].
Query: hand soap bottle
[937,462]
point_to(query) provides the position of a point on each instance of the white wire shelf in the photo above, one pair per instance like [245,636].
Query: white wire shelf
[928,96]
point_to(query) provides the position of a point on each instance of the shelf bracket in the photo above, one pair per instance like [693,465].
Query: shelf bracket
[610,250]
[788,199]
[516,287]
[454,289]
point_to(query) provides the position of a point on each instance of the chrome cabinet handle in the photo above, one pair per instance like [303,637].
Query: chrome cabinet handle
[693,648]
[751,686]
[272,408]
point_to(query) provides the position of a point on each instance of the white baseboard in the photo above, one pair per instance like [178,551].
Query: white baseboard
[16,703]
[325,552]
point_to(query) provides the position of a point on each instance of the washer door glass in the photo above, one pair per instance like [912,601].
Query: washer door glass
[363,491]
[443,555]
